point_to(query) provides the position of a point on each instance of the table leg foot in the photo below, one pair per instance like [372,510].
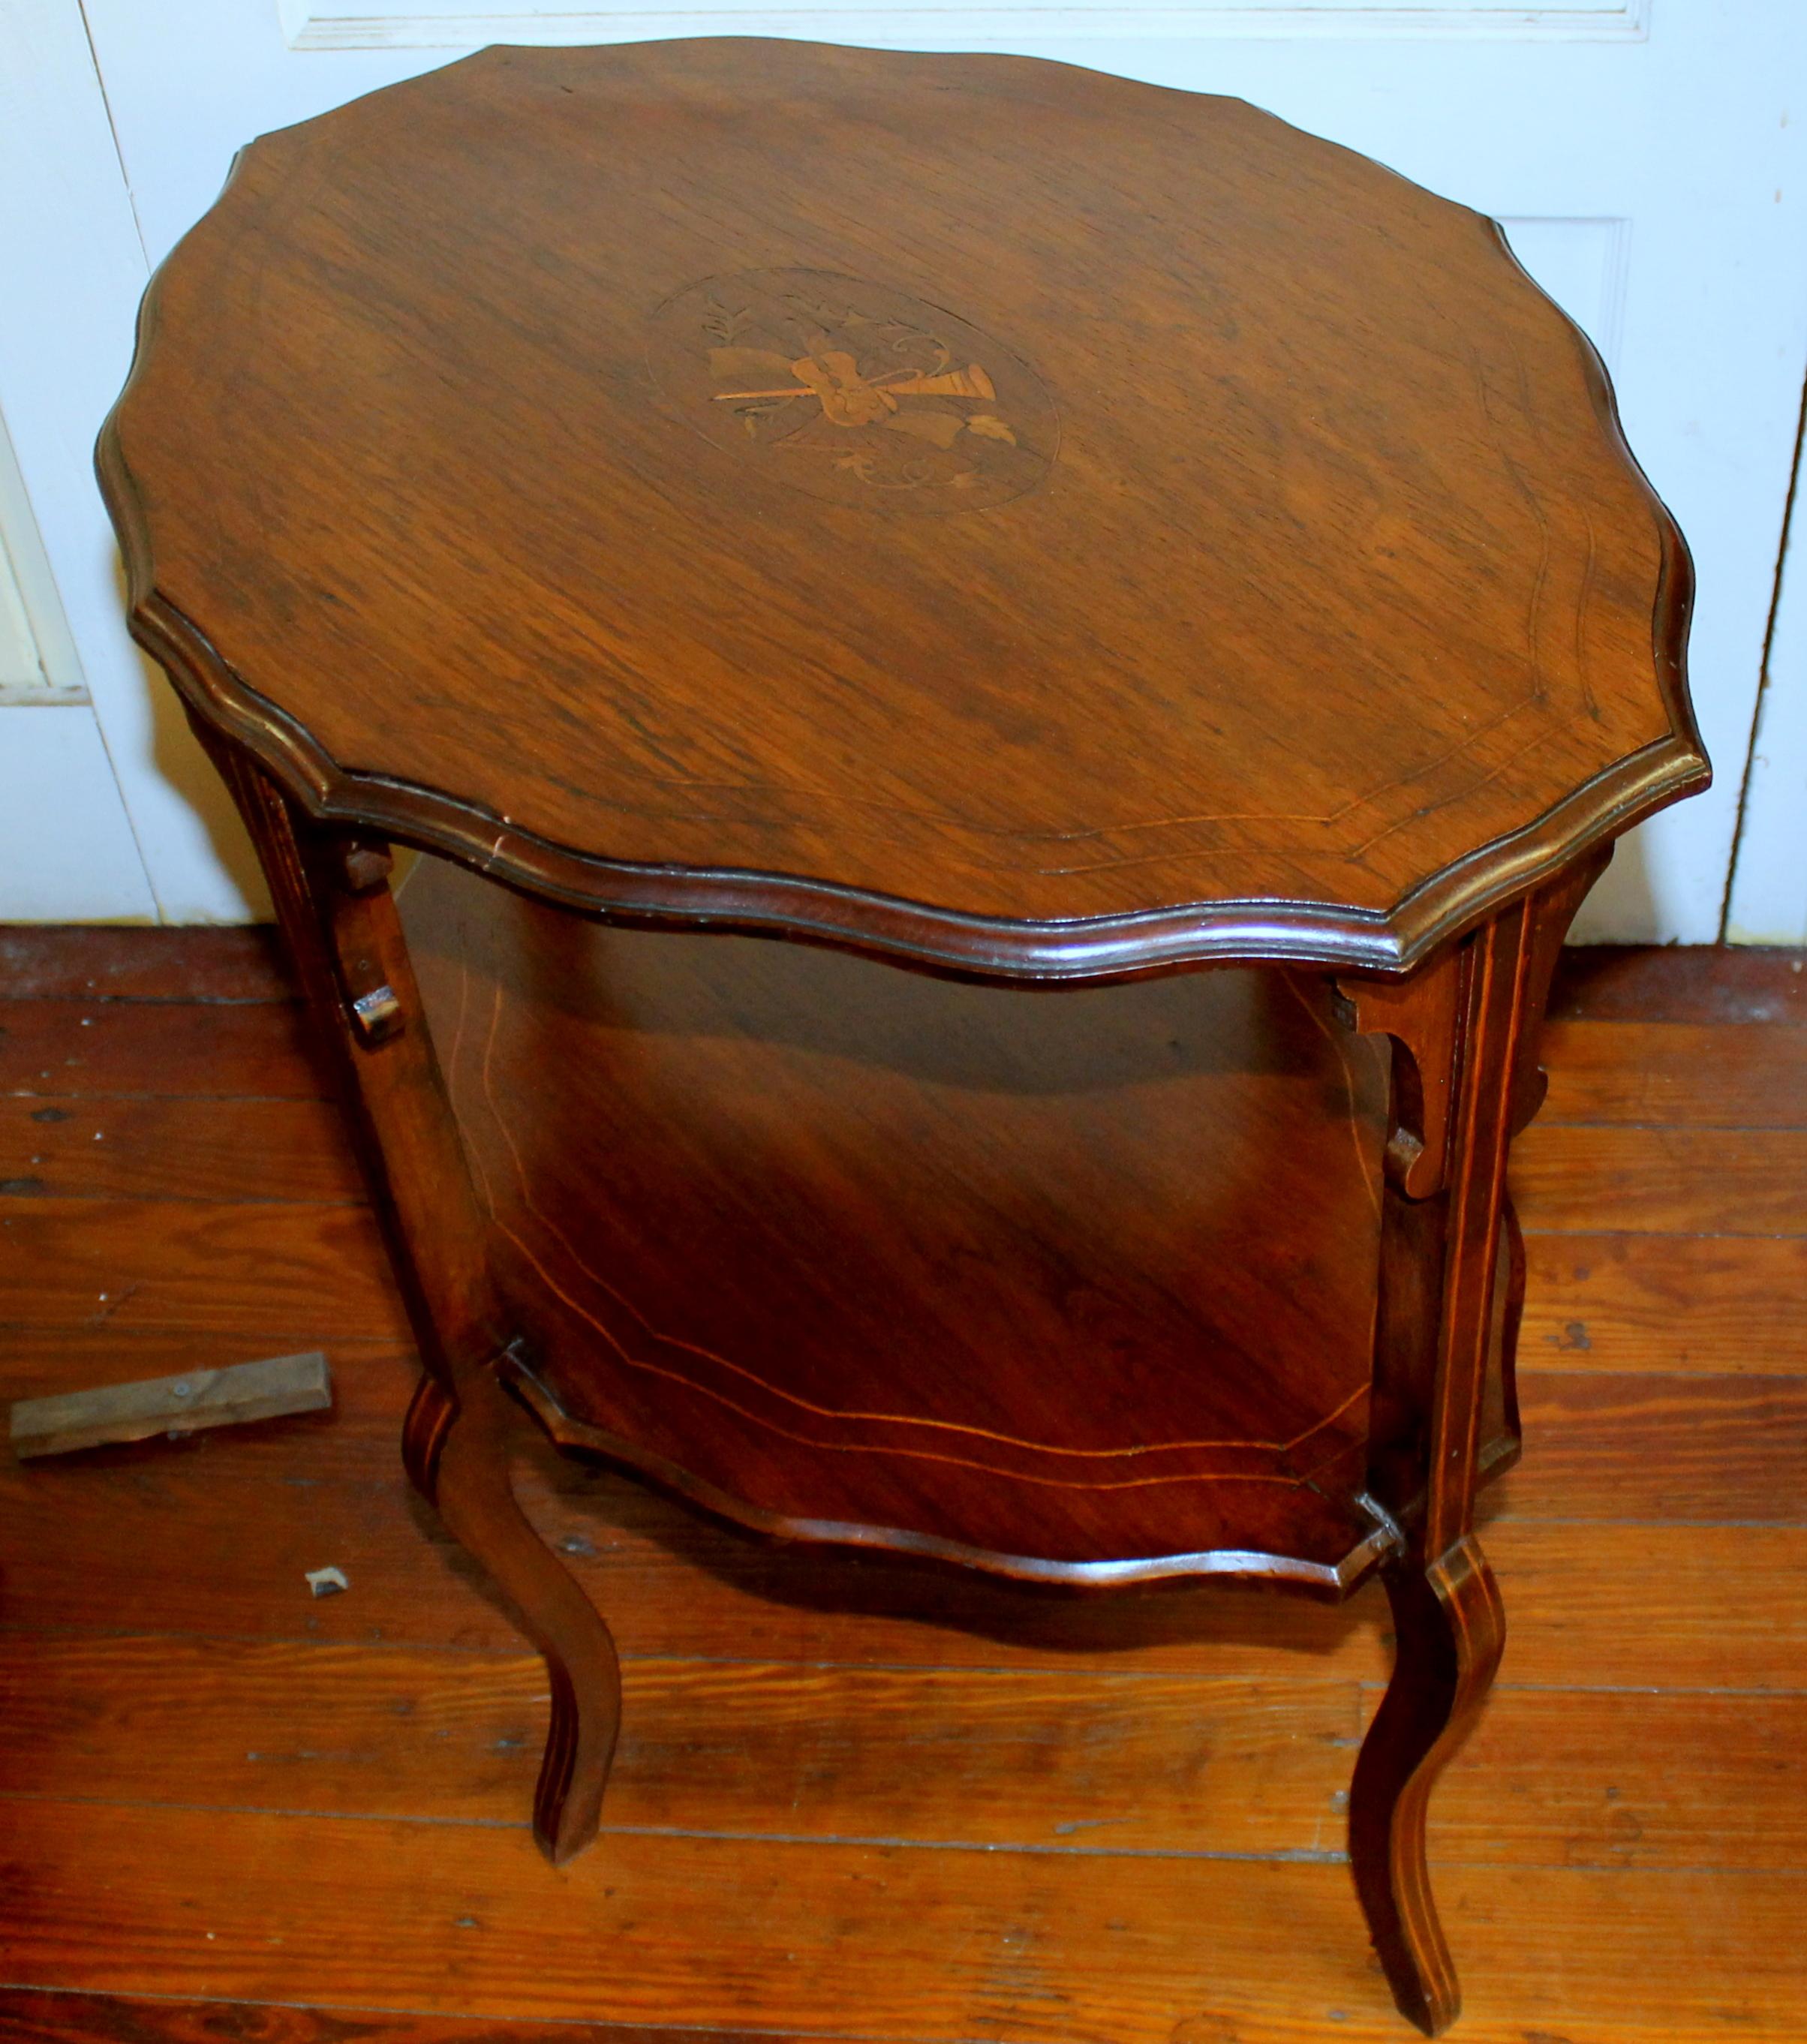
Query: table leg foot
[1449,1628]
[455,1448]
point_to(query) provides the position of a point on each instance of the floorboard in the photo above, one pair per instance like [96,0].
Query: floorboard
[1057,1759]
[1662,1181]
[215,1049]
[1681,1074]
[1719,1304]
[1735,984]
[858,1798]
[34,2015]
[139,1146]
[917,1941]
[80,962]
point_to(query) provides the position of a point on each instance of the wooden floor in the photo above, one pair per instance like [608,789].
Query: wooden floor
[856,1799]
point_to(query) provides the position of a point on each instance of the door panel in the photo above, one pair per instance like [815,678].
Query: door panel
[73,267]
[1767,903]
[66,850]
[1642,151]
[328,24]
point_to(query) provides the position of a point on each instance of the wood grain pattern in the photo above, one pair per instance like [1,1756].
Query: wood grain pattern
[1061,1759]
[104,1415]
[1715,984]
[672,1585]
[1661,1447]
[1644,1742]
[1118,1292]
[54,1047]
[1653,1445]
[1595,1301]
[958,1944]
[668,1579]
[42,2018]
[1331,738]
[1720,1182]
[136,1147]
[911,1196]
[1676,1075]
[1666,1302]
[78,961]
[265,1272]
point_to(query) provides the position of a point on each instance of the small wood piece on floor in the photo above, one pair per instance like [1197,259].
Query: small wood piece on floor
[113,1412]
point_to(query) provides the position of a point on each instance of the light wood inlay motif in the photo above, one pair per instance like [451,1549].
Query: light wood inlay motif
[936,1178]
[854,391]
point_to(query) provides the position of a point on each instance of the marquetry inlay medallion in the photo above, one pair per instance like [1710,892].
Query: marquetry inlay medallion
[854,391]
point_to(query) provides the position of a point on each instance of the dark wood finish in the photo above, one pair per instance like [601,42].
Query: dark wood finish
[911,1198]
[1463,1028]
[456,1455]
[333,898]
[103,1047]
[1685,983]
[1223,680]
[82,961]
[995,518]
[138,1147]
[1449,1630]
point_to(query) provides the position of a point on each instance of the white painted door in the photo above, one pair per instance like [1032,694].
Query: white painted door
[57,786]
[1646,156]
[1766,902]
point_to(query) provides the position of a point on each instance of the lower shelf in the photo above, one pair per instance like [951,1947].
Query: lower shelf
[1075,1284]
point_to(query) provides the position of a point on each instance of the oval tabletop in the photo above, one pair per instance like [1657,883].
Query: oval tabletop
[971,507]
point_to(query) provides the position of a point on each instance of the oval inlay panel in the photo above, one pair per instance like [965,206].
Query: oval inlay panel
[854,391]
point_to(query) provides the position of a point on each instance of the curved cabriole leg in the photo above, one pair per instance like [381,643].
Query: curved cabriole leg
[332,893]
[1449,1628]
[457,1453]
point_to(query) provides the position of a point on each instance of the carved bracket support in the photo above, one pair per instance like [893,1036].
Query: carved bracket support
[331,891]
[359,916]
[1422,1015]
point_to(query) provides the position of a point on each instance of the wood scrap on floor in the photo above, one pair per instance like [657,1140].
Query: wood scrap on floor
[106,1414]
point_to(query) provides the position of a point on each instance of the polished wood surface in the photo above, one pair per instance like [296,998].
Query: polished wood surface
[988,1272]
[860,1797]
[973,507]
[1016,521]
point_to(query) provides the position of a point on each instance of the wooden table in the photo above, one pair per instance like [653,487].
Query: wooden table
[965,514]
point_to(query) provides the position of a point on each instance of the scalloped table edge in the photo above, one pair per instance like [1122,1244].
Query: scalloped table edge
[1299,933]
